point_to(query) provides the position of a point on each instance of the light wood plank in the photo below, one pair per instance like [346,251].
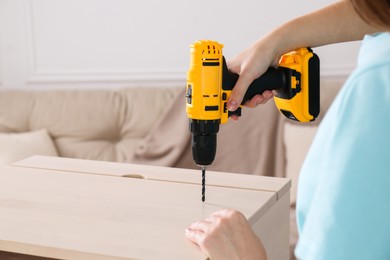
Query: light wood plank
[279,185]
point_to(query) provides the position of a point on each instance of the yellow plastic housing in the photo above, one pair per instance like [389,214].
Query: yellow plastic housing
[204,81]
[297,60]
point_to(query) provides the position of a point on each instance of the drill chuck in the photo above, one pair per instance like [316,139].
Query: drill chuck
[204,140]
[204,148]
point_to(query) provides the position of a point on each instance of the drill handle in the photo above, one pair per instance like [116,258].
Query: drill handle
[274,78]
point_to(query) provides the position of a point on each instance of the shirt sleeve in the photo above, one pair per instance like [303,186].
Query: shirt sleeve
[349,215]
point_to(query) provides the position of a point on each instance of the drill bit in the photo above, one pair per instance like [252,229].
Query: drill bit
[203,183]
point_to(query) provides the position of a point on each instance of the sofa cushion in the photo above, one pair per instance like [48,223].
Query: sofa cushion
[98,124]
[297,140]
[17,146]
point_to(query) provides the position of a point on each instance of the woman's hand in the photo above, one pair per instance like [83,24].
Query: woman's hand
[249,65]
[226,234]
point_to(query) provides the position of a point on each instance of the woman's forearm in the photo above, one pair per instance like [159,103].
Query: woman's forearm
[338,22]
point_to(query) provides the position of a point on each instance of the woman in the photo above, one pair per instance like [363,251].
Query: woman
[343,203]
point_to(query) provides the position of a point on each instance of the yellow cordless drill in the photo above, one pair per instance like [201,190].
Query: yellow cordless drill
[209,84]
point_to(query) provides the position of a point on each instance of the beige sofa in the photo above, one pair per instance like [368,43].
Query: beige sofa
[149,126]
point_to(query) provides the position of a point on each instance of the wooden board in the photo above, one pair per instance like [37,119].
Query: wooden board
[70,215]
[279,185]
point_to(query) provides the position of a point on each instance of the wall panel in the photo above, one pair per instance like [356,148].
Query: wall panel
[114,43]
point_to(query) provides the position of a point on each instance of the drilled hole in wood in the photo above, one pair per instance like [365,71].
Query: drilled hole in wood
[134,176]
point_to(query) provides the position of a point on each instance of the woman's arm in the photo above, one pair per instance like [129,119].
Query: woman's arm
[335,23]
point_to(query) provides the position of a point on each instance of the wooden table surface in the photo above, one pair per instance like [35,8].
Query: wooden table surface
[76,209]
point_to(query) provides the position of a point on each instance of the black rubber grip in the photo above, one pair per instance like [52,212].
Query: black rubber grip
[273,78]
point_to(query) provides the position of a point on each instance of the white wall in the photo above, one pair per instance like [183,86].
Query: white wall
[115,43]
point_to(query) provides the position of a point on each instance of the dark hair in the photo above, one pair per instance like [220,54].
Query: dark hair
[374,12]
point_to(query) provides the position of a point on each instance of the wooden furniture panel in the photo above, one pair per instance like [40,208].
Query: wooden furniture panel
[55,211]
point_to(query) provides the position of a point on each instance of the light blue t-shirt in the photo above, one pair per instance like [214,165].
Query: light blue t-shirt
[343,203]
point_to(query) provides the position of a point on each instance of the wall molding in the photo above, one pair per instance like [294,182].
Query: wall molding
[147,76]
[109,76]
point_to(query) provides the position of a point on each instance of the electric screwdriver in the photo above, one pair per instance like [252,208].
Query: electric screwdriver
[209,84]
